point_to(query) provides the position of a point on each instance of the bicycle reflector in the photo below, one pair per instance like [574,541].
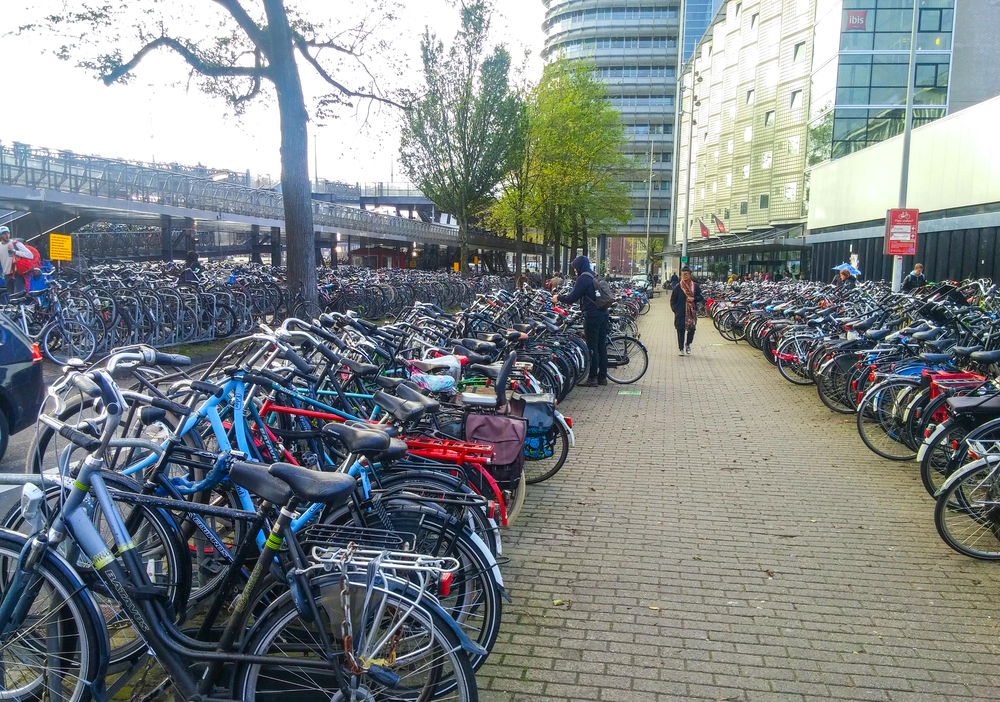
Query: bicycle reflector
[446,580]
[36,354]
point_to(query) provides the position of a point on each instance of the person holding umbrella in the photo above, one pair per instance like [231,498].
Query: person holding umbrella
[846,276]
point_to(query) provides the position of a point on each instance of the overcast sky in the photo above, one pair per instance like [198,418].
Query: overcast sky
[51,103]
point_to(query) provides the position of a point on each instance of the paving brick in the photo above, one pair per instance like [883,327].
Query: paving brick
[783,559]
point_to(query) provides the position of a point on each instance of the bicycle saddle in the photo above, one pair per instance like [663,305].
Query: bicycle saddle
[928,335]
[878,334]
[313,485]
[397,447]
[399,408]
[255,478]
[985,356]
[359,368]
[356,439]
[411,393]
[974,405]
[384,381]
[490,337]
[431,365]
[478,346]
[915,330]
[469,354]
[521,328]
[935,358]
[965,351]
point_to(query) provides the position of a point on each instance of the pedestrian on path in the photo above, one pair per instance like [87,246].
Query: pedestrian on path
[10,251]
[915,279]
[595,321]
[684,301]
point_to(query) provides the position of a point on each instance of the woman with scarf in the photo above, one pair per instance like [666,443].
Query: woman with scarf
[684,301]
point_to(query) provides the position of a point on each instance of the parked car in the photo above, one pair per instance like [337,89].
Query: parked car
[643,283]
[22,385]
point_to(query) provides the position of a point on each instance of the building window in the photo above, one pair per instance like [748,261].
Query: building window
[750,94]
[790,191]
[753,21]
[764,201]
[739,6]
[729,147]
[715,187]
[729,180]
[799,52]
[748,134]
[796,102]
[765,159]
[743,207]
[930,20]
[746,171]
[793,145]
[769,118]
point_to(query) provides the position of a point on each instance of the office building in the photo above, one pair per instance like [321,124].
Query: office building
[746,92]
[698,16]
[634,48]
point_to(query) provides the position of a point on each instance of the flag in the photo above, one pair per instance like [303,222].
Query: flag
[704,229]
[718,224]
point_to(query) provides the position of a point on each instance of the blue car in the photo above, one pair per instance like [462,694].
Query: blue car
[22,385]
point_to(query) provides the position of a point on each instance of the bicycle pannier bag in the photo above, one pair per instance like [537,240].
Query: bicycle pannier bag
[604,298]
[539,410]
[507,434]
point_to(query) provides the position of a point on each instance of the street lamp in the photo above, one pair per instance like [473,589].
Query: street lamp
[696,77]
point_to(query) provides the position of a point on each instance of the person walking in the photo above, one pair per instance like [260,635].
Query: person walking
[674,280]
[555,282]
[684,301]
[10,251]
[595,321]
[915,279]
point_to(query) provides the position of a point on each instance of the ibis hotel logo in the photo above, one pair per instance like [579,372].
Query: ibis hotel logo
[857,21]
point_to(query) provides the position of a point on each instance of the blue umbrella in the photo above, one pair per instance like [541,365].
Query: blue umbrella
[847,267]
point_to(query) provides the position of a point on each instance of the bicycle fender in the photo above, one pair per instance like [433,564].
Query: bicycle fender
[54,559]
[496,531]
[494,566]
[468,644]
[966,469]
[943,426]
[569,430]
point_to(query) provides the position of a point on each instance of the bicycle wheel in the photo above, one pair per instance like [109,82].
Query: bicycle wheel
[517,492]
[54,652]
[628,358]
[425,653]
[936,452]
[880,419]
[967,514]
[791,357]
[68,339]
[544,457]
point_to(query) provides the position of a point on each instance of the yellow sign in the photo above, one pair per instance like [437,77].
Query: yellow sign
[475,260]
[413,264]
[456,266]
[60,247]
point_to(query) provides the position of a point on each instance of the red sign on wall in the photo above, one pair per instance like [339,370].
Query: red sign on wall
[901,232]
[857,21]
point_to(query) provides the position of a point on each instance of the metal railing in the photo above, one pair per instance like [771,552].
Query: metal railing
[65,172]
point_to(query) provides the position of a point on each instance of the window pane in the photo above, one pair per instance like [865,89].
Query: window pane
[890,71]
[926,76]
[888,96]
[883,124]
[891,40]
[930,20]
[851,129]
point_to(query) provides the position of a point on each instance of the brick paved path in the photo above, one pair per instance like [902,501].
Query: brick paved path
[724,536]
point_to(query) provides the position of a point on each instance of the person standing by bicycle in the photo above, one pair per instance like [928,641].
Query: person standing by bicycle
[595,321]
[684,301]
[10,251]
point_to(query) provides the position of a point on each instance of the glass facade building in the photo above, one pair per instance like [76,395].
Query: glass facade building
[633,45]
[698,16]
[860,62]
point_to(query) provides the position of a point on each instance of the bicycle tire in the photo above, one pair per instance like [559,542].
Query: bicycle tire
[540,470]
[879,419]
[68,339]
[78,623]
[966,514]
[625,348]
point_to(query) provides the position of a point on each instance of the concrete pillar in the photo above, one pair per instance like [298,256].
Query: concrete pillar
[166,238]
[602,250]
[275,246]
[190,232]
[255,243]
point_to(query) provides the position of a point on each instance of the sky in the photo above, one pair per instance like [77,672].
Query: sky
[47,102]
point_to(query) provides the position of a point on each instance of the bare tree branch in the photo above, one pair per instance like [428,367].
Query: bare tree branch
[304,50]
[255,88]
[253,31]
[196,62]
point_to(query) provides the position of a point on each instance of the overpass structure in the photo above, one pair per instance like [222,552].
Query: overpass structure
[57,191]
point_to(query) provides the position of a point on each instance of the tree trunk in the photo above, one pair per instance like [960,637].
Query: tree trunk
[295,187]
[518,247]
[463,252]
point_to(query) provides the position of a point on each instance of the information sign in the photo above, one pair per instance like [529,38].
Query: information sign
[901,232]
[60,247]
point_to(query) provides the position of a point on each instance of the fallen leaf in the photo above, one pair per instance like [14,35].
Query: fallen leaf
[813,521]
[558,602]
[655,609]
[697,558]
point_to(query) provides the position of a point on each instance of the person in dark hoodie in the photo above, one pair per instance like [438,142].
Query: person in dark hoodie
[595,321]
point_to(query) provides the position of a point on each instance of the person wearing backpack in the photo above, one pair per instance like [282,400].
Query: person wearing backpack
[595,298]
[10,251]
[684,301]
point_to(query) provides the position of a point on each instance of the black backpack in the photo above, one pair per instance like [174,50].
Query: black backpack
[603,297]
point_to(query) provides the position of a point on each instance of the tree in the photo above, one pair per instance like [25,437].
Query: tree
[514,210]
[235,50]
[459,133]
[578,139]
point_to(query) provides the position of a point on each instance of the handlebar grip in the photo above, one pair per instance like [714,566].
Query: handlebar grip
[297,361]
[86,385]
[174,407]
[259,380]
[171,359]
[79,438]
[207,388]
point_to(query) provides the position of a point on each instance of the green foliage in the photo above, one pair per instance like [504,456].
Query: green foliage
[460,134]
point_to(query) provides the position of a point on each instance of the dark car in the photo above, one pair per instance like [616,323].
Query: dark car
[22,386]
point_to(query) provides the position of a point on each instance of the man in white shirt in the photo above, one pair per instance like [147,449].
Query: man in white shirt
[9,252]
